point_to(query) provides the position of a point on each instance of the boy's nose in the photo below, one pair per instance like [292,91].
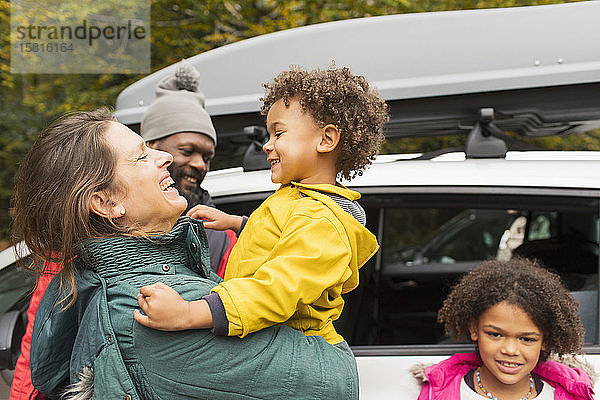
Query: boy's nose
[267,147]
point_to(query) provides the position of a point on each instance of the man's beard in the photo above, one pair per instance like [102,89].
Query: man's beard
[198,196]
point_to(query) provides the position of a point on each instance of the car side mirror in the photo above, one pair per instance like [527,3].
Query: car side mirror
[12,329]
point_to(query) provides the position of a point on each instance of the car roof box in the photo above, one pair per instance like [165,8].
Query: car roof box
[541,62]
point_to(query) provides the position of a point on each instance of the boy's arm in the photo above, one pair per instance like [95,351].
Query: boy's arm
[216,219]
[166,310]
[310,260]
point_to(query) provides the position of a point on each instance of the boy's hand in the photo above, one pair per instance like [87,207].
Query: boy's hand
[215,219]
[166,310]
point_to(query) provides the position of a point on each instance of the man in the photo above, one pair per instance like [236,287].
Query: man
[176,122]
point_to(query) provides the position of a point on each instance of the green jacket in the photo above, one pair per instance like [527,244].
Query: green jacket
[130,361]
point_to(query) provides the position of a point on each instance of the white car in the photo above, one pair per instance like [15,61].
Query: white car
[478,74]
[435,220]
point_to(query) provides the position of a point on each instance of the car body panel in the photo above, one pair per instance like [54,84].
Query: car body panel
[577,170]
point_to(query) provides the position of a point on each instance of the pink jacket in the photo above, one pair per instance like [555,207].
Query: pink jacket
[442,381]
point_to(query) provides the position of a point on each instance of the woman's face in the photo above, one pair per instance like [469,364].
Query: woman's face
[146,193]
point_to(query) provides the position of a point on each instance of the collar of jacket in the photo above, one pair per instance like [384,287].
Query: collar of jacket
[569,376]
[338,189]
[362,242]
[185,244]
[572,376]
[442,374]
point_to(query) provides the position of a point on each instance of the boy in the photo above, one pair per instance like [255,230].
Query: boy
[303,247]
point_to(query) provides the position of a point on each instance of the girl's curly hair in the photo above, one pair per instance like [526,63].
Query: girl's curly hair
[524,283]
[336,96]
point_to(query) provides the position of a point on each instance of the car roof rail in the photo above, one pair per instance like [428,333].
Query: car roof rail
[482,141]
[485,139]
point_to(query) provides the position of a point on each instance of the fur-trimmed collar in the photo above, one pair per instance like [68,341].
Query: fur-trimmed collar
[82,389]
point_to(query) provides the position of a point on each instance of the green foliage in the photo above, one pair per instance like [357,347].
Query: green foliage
[30,102]
[576,142]
[180,29]
[422,145]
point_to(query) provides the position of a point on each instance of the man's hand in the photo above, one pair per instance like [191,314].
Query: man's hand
[166,310]
[215,219]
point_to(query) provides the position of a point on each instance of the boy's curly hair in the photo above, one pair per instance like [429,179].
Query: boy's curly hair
[336,96]
[524,283]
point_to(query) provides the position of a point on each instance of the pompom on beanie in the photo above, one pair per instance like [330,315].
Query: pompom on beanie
[178,107]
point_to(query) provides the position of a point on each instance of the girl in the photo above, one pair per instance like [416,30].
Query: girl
[517,313]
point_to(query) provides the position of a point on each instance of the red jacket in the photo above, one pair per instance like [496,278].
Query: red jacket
[22,388]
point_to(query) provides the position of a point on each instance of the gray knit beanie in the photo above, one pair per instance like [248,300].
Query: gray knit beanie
[178,107]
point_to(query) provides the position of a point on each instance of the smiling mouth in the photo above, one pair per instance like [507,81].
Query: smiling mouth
[166,184]
[273,162]
[509,364]
[190,179]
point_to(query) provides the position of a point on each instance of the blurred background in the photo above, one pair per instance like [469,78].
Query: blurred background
[181,29]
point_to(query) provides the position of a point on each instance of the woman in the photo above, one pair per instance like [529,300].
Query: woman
[94,196]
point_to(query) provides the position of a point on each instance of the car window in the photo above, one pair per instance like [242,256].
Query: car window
[542,225]
[421,236]
[428,242]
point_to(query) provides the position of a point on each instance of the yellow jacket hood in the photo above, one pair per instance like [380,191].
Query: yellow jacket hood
[362,242]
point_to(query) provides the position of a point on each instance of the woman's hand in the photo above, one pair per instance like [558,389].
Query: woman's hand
[166,310]
[215,219]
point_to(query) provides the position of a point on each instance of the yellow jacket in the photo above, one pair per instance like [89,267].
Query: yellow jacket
[297,254]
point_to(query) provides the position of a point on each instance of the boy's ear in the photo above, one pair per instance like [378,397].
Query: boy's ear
[100,204]
[330,137]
